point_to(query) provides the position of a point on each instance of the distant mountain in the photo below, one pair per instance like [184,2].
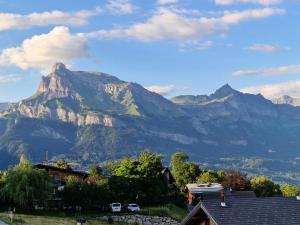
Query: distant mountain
[4,106]
[287,100]
[89,117]
[85,98]
[220,95]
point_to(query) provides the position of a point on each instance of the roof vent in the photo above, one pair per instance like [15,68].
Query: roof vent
[223,203]
[298,197]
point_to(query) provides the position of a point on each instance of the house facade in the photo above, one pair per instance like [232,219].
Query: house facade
[60,176]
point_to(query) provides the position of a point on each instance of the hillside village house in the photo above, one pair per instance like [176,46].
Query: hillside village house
[59,179]
[60,176]
[242,208]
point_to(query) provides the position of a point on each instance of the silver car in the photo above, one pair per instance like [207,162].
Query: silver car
[133,207]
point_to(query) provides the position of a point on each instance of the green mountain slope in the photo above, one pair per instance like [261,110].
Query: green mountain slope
[92,117]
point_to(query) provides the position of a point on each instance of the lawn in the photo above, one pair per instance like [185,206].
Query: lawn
[47,220]
[169,210]
[56,218]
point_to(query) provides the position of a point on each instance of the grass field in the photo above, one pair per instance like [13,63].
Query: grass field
[168,210]
[22,219]
[56,218]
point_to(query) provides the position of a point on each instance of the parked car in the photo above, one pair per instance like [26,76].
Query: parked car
[115,207]
[133,207]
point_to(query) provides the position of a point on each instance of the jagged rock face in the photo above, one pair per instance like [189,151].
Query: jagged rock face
[91,117]
[86,98]
[227,104]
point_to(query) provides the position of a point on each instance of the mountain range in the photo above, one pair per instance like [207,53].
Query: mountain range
[285,99]
[91,117]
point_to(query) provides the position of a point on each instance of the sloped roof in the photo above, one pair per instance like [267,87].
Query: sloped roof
[250,211]
[49,167]
[167,170]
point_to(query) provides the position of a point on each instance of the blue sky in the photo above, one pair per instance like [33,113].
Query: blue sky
[169,46]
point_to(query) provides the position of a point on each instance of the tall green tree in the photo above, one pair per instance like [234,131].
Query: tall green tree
[183,171]
[85,194]
[26,185]
[265,187]
[134,178]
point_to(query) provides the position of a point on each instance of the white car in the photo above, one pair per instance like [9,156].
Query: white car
[116,207]
[133,207]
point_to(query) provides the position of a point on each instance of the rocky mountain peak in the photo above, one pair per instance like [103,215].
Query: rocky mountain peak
[224,91]
[58,67]
[56,83]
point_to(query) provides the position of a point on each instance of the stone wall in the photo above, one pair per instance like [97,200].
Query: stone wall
[142,220]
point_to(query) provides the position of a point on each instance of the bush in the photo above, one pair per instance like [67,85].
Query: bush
[289,190]
[265,187]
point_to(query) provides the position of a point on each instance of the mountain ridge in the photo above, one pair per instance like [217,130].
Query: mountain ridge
[286,99]
[90,117]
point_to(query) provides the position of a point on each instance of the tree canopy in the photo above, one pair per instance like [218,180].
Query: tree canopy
[133,177]
[289,190]
[25,185]
[209,176]
[237,181]
[183,171]
[265,187]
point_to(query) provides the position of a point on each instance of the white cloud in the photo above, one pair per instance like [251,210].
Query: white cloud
[182,11]
[42,51]
[162,90]
[165,2]
[275,71]
[252,14]
[245,73]
[196,45]
[120,7]
[267,48]
[261,2]
[291,88]
[9,78]
[166,24]
[10,21]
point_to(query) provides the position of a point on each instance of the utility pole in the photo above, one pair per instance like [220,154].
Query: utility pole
[46,157]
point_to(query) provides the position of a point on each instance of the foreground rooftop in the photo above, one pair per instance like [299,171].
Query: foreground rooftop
[243,210]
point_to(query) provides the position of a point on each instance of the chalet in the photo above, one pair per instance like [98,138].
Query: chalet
[60,176]
[243,208]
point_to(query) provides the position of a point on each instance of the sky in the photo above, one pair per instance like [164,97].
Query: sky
[171,47]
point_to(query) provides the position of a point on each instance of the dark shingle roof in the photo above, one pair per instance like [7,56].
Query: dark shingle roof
[246,211]
[49,167]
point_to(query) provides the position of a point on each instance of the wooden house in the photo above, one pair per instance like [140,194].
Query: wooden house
[60,176]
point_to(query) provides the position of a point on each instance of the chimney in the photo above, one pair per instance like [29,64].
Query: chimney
[223,203]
